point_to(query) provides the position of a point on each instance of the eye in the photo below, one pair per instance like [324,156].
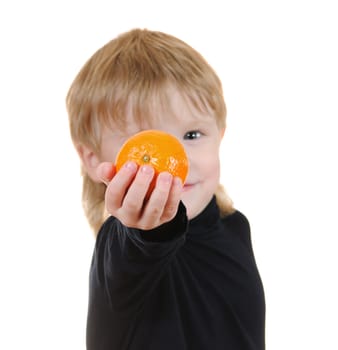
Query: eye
[192,135]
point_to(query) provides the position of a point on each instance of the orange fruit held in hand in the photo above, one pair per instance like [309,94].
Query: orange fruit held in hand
[159,149]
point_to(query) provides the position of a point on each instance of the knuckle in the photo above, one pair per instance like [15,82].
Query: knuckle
[155,212]
[170,212]
[131,207]
[151,218]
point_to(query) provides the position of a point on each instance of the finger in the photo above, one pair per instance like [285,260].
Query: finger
[105,172]
[135,196]
[153,210]
[173,200]
[118,186]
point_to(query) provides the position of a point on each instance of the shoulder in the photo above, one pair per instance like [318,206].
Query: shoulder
[238,223]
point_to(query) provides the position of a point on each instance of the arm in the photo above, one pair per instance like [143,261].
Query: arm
[129,263]
[136,244]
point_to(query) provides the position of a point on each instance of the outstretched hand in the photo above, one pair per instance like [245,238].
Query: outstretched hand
[126,195]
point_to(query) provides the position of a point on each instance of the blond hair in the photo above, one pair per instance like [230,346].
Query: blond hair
[129,71]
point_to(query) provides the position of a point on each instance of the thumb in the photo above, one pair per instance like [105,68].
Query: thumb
[105,172]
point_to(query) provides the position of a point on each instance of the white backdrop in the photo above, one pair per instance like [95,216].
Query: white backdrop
[278,63]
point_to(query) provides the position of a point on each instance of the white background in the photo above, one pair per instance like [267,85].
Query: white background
[278,63]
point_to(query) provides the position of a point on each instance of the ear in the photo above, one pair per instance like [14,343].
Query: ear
[90,161]
[222,131]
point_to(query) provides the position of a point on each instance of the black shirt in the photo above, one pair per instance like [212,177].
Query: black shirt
[185,285]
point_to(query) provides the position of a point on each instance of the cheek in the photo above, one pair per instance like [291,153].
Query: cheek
[108,155]
[207,164]
[212,168]
[109,151]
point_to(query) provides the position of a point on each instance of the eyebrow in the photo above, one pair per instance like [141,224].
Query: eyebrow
[198,122]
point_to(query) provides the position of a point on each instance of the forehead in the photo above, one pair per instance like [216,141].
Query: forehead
[158,109]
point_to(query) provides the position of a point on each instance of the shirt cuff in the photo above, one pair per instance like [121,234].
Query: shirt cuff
[169,230]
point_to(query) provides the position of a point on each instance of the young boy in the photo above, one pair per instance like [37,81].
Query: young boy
[175,270]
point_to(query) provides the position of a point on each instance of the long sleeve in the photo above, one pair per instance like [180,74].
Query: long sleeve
[126,267]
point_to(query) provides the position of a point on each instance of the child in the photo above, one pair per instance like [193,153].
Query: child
[175,270]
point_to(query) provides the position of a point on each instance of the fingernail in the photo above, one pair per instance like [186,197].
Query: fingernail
[165,178]
[130,165]
[146,169]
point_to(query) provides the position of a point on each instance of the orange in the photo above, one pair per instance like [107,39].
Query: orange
[163,151]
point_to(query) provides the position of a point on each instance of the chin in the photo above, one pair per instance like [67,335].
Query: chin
[195,203]
[192,209]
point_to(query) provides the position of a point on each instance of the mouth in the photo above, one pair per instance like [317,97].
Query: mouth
[187,187]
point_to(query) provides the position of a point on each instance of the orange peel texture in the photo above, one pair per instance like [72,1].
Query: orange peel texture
[161,150]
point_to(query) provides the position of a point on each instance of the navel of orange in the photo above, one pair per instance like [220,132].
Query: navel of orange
[161,150]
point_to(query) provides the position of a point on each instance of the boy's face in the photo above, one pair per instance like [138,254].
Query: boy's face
[201,138]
